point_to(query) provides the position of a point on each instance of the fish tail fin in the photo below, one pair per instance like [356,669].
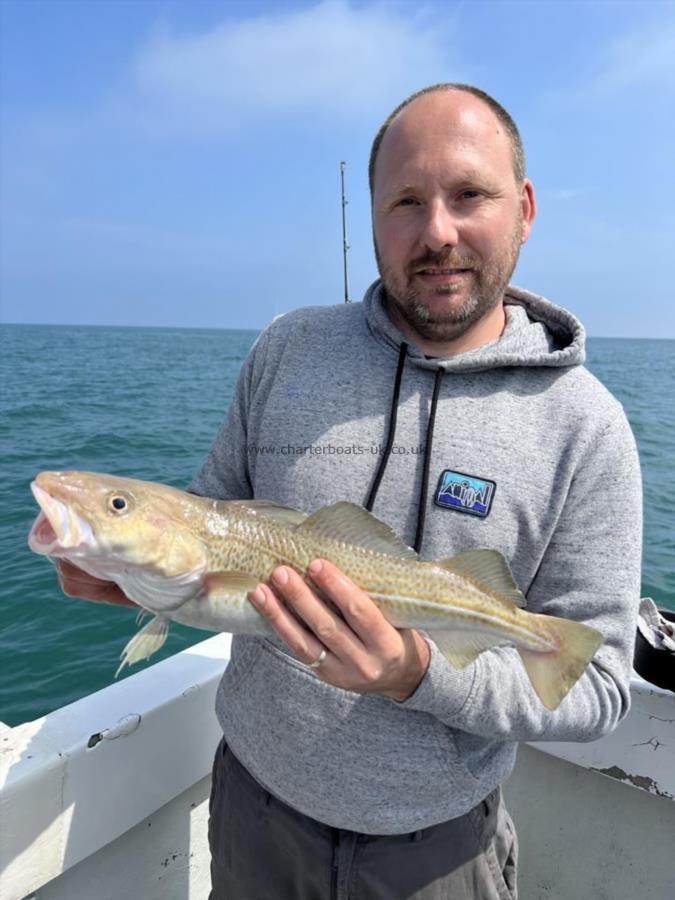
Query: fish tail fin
[553,674]
[146,642]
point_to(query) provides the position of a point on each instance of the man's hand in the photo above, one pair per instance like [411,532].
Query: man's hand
[76,583]
[364,652]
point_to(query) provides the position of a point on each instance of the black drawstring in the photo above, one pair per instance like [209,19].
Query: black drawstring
[422,506]
[392,429]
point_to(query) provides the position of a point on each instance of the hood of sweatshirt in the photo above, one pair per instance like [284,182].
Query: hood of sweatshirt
[537,333]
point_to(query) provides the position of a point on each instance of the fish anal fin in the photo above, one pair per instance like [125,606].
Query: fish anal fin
[352,524]
[553,674]
[461,648]
[489,568]
[145,642]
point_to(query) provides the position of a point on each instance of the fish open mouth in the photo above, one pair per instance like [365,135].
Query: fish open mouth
[57,528]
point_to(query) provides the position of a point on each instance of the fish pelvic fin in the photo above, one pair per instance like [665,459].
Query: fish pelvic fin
[352,524]
[489,568]
[147,641]
[553,674]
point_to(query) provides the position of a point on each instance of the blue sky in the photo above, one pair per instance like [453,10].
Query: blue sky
[165,162]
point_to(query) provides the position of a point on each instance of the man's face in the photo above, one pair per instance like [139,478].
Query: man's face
[448,215]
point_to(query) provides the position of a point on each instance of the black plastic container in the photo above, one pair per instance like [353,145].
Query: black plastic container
[655,666]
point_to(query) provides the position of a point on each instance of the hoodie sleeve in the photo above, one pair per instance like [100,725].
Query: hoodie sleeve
[590,572]
[225,474]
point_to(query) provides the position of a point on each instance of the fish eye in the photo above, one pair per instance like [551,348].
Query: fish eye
[117,503]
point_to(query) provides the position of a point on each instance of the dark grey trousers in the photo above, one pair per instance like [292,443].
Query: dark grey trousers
[262,849]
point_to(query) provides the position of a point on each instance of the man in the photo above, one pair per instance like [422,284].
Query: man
[356,762]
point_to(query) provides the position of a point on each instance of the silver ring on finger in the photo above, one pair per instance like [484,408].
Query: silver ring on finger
[320,659]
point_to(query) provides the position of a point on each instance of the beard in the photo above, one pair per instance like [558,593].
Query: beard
[489,279]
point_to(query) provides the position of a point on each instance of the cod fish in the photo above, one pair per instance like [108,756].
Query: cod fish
[194,560]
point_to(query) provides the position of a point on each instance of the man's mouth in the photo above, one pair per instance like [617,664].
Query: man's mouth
[435,270]
[436,275]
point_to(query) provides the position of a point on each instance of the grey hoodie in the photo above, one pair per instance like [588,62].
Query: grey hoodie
[550,455]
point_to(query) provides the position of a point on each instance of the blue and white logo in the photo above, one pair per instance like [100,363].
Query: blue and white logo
[465,493]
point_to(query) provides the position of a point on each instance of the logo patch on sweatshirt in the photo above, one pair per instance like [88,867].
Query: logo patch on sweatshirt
[465,493]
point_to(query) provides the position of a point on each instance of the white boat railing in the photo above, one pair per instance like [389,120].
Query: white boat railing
[69,786]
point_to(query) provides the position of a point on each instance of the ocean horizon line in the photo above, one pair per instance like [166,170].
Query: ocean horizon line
[130,327]
[599,337]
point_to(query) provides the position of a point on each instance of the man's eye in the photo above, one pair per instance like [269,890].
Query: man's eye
[470,194]
[406,201]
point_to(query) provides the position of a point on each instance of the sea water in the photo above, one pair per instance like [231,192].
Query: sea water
[146,402]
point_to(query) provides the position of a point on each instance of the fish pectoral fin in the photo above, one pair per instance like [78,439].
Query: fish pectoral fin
[229,584]
[352,524]
[489,568]
[460,648]
[286,515]
[147,641]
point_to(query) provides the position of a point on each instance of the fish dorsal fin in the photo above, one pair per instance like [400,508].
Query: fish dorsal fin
[286,515]
[460,648]
[489,568]
[352,524]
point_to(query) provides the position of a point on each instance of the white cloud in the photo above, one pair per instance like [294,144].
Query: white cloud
[645,57]
[328,59]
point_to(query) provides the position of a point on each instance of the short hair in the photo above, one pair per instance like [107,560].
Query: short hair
[517,149]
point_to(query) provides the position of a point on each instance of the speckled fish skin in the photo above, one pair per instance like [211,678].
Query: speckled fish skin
[194,560]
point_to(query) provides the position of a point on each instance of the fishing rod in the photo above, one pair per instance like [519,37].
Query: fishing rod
[345,245]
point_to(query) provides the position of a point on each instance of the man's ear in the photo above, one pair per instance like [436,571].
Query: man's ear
[528,206]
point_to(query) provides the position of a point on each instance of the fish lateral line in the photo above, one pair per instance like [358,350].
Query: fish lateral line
[464,618]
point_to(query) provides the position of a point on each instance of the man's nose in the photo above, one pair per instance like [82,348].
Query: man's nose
[440,227]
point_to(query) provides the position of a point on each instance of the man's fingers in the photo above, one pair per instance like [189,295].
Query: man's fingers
[331,630]
[323,623]
[78,584]
[358,609]
[299,639]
